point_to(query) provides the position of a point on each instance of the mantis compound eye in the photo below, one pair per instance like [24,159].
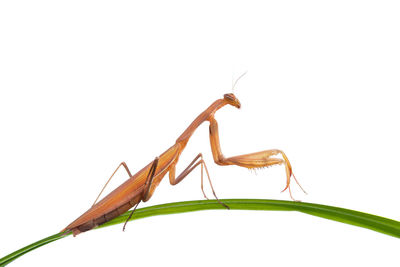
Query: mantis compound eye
[232,100]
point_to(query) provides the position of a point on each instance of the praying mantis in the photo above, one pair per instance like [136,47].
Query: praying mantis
[141,186]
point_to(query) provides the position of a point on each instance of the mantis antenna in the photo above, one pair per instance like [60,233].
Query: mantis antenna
[234,83]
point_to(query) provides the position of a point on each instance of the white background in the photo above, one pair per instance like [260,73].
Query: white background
[88,84]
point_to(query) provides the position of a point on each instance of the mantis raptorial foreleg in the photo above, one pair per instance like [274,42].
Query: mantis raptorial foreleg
[253,160]
[109,179]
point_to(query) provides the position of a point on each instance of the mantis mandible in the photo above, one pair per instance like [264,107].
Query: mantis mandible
[141,186]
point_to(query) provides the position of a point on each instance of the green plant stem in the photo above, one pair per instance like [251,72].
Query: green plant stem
[369,221]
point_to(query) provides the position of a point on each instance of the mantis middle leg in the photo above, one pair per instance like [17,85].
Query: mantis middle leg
[175,180]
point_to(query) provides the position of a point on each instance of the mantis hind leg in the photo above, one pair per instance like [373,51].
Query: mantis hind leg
[146,190]
[109,179]
[253,160]
[149,180]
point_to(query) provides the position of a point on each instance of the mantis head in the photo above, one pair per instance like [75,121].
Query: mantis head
[232,100]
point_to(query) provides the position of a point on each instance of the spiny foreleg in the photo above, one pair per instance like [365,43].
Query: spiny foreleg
[253,160]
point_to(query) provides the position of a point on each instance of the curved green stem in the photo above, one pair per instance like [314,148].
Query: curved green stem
[369,221]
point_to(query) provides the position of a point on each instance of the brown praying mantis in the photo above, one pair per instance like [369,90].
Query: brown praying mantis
[141,186]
